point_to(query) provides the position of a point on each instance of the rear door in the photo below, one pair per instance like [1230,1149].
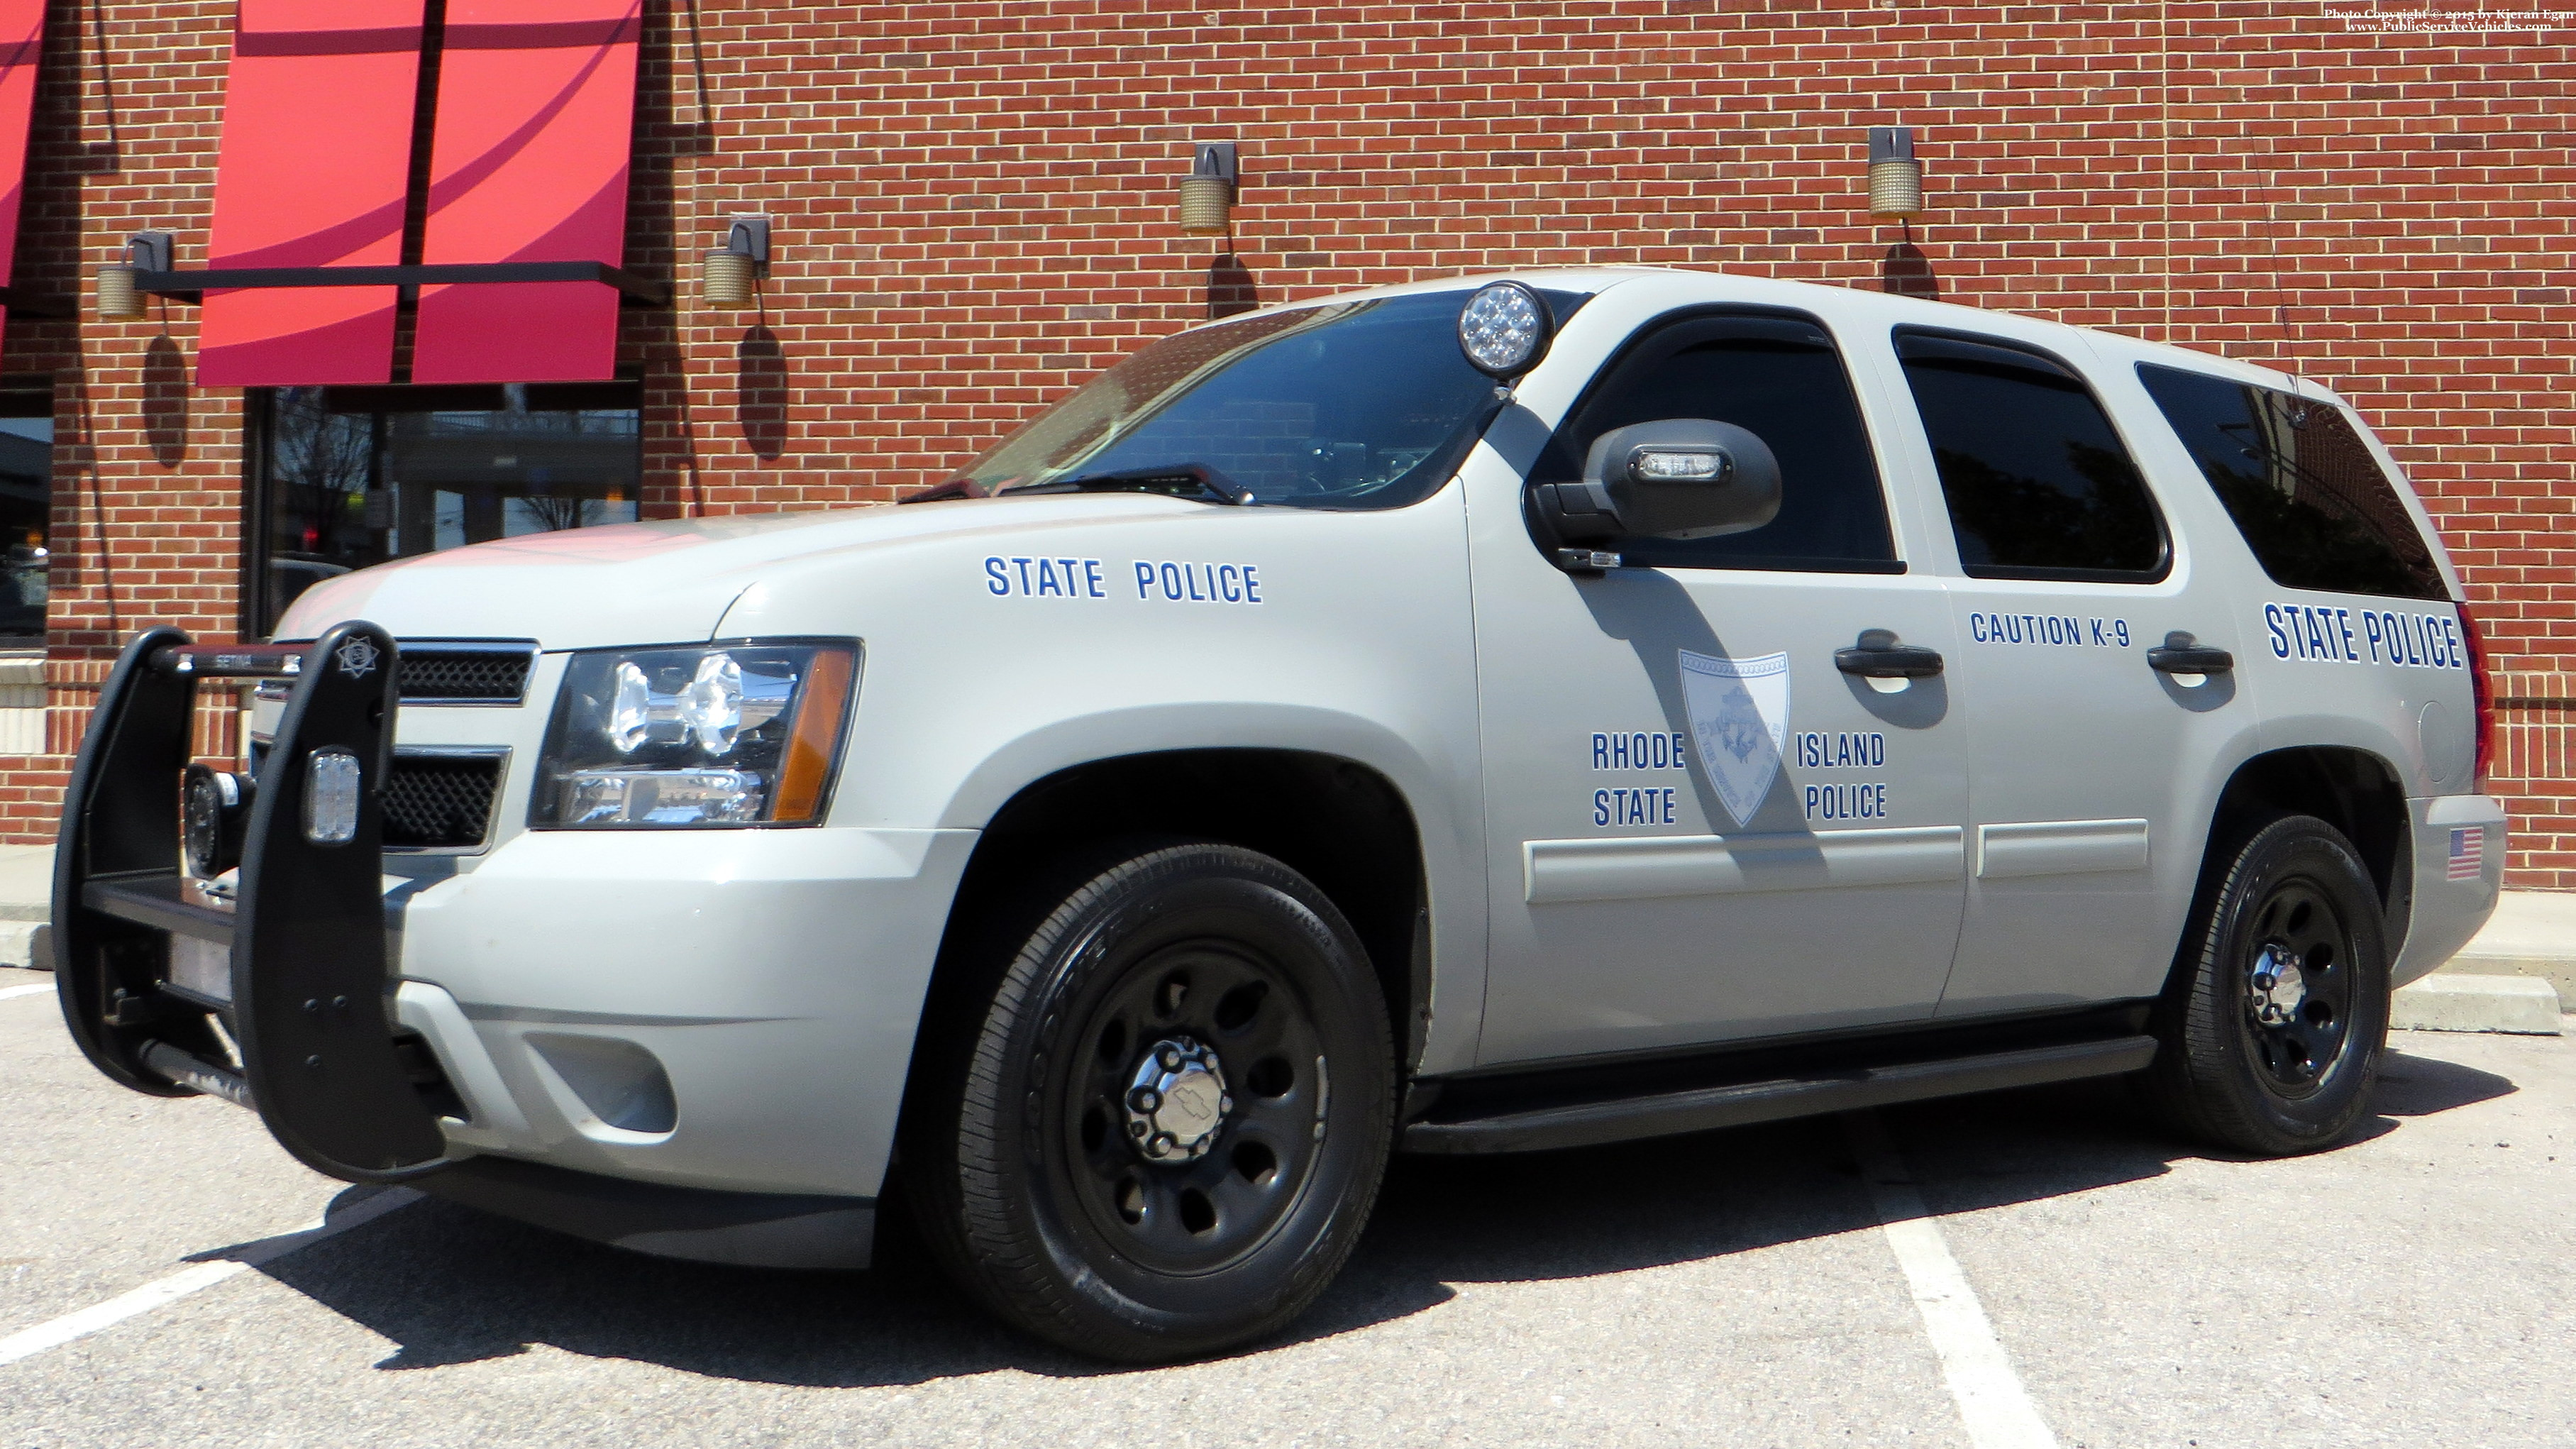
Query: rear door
[1700,828]
[2092,772]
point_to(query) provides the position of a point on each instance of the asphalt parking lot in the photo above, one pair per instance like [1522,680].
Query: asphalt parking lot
[2413,1288]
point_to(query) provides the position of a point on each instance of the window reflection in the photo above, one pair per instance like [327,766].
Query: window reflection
[26,510]
[358,475]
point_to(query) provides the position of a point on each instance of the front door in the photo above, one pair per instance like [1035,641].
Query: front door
[1700,827]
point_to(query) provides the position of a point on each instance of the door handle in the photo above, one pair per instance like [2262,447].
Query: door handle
[1879,656]
[2182,654]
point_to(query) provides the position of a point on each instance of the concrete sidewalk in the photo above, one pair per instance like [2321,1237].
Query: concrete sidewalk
[2533,933]
[26,897]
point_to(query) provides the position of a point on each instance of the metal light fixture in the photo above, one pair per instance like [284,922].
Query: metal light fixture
[1895,177]
[730,275]
[1207,193]
[1505,329]
[119,300]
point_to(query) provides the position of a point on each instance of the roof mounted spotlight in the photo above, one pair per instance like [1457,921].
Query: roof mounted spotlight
[1207,193]
[119,300]
[1505,329]
[730,275]
[1895,177]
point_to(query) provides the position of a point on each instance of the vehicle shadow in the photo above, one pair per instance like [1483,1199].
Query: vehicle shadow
[449,1285]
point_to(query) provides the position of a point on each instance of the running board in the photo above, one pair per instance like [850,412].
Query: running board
[1588,1124]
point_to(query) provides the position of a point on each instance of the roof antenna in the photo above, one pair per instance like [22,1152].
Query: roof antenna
[2281,314]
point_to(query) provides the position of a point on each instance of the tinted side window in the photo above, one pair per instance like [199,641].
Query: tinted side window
[2301,485]
[1781,379]
[2037,483]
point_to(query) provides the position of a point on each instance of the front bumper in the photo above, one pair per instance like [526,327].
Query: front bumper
[727,1009]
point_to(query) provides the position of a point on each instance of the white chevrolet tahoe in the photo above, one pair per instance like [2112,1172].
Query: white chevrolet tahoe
[1479,716]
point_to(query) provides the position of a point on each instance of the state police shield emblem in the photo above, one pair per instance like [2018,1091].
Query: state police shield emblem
[1739,715]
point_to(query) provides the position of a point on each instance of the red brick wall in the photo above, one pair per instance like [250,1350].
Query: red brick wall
[975,209]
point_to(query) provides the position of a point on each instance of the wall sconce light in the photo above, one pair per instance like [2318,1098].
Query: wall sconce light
[730,275]
[1895,177]
[1207,193]
[118,298]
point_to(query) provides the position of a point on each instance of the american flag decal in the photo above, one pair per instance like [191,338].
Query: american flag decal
[2468,851]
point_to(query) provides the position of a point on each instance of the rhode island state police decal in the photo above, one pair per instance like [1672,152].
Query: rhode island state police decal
[1739,716]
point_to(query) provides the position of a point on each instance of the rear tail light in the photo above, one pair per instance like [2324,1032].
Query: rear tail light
[2483,689]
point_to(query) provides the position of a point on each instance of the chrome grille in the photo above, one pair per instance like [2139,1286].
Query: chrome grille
[442,672]
[441,801]
[465,675]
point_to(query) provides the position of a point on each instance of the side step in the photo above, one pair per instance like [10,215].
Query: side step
[1591,1123]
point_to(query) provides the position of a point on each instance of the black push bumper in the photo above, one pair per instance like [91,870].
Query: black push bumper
[275,995]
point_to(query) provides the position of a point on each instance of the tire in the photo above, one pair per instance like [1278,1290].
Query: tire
[2263,1060]
[1058,1149]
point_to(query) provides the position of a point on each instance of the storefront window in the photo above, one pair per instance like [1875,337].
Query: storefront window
[26,511]
[352,476]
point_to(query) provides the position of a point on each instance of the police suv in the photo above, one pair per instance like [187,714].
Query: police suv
[1480,716]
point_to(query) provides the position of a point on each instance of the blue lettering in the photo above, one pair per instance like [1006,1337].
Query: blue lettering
[1047,583]
[2120,627]
[1172,582]
[2454,657]
[1023,566]
[1091,578]
[1600,751]
[1600,807]
[2343,623]
[2372,631]
[997,578]
[1228,585]
[1251,585]
[1144,579]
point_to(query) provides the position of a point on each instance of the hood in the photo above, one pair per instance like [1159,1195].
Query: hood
[653,583]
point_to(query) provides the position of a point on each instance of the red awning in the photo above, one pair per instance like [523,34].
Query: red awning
[22,45]
[315,164]
[535,119]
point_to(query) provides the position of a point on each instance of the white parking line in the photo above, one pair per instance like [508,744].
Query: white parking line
[30,1341]
[1998,1412]
[45,987]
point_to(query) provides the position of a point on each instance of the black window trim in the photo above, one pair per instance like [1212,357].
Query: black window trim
[1646,332]
[2068,371]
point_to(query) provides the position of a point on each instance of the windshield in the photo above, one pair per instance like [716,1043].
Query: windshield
[1353,405]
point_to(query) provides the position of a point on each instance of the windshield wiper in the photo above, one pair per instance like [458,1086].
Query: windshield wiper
[1178,480]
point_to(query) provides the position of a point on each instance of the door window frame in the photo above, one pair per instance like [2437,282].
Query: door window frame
[1903,396]
[1561,449]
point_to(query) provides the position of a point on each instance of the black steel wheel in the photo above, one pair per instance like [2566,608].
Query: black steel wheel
[2296,976]
[2274,1025]
[1164,1131]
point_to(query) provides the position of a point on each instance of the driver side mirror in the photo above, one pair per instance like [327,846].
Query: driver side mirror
[1675,478]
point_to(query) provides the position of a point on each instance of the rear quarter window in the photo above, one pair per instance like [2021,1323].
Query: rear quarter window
[2311,501]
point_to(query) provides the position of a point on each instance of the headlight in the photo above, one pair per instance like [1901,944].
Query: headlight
[740,734]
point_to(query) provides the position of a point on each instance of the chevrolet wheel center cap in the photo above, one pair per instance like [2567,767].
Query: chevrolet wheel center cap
[1176,1100]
